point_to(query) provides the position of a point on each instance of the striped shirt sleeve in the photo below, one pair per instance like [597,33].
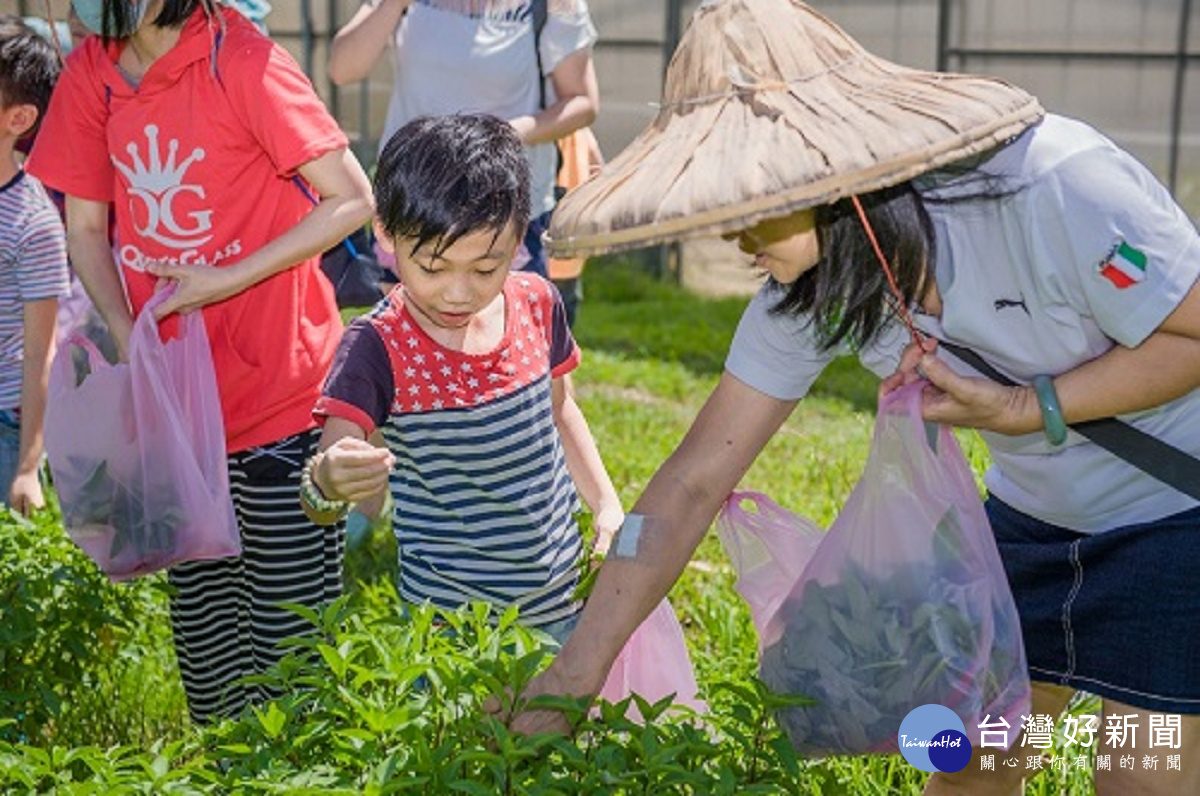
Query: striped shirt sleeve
[42,257]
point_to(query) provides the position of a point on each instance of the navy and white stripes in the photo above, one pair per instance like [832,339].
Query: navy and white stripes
[33,266]
[485,506]
[227,614]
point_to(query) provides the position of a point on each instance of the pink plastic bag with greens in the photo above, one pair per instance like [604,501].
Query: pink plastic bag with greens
[903,602]
[137,450]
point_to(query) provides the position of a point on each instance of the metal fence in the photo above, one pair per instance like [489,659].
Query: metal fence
[1127,66]
[1151,39]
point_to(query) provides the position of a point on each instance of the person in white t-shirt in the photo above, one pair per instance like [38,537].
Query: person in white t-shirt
[1031,239]
[479,56]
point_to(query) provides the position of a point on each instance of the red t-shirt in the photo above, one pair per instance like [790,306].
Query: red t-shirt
[198,162]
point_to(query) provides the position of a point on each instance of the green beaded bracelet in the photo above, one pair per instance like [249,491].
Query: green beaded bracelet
[311,495]
[1052,417]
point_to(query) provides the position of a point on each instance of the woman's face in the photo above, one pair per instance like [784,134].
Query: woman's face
[784,247]
[90,13]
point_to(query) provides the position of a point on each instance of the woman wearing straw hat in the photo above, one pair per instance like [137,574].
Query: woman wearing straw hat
[871,192]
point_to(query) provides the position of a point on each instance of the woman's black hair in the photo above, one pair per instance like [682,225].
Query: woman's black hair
[846,295]
[442,177]
[118,14]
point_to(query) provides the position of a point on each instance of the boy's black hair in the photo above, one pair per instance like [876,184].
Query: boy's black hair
[29,67]
[442,177]
[117,14]
[846,294]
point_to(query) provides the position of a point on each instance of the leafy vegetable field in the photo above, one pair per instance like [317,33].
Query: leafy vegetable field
[90,701]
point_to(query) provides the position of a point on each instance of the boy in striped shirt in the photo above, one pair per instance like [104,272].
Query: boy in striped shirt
[33,265]
[453,392]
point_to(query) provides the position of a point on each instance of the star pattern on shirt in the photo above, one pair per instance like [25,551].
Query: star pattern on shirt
[431,377]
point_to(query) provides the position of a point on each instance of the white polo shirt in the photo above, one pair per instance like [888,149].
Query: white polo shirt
[448,60]
[1083,250]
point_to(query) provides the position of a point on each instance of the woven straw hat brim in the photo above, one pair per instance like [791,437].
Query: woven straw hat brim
[770,108]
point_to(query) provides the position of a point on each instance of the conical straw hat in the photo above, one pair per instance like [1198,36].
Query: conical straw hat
[769,108]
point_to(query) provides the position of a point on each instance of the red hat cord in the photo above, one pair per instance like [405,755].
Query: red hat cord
[899,305]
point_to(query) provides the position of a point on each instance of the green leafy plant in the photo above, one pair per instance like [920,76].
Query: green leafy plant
[68,636]
[382,701]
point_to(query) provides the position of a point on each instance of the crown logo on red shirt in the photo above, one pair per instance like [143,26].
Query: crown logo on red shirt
[157,177]
[157,184]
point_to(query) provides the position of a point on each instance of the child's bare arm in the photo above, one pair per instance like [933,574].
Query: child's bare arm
[587,468]
[40,322]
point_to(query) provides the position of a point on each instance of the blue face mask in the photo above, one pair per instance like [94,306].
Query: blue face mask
[91,14]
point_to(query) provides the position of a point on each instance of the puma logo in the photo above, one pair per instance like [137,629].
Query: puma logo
[1000,304]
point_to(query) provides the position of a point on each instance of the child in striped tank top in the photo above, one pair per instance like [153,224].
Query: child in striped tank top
[454,391]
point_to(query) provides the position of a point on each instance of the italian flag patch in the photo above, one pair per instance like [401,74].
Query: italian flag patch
[1125,266]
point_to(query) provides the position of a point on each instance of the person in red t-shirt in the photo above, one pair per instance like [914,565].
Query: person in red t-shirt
[205,136]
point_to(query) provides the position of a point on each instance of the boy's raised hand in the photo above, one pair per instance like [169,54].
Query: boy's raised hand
[353,469]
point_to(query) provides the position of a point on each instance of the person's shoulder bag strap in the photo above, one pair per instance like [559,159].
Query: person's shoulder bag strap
[1144,451]
[539,12]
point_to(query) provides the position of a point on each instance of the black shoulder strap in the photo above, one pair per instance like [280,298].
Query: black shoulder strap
[1144,451]
[540,12]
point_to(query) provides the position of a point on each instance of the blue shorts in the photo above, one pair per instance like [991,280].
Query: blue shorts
[10,450]
[1115,614]
[561,630]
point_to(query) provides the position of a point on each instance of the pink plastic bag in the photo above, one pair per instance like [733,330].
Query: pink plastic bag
[654,664]
[903,603]
[769,548]
[137,451]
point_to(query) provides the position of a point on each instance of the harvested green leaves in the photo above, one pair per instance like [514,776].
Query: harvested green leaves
[872,646]
[141,521]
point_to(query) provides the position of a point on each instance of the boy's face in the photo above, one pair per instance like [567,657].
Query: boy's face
[450,287]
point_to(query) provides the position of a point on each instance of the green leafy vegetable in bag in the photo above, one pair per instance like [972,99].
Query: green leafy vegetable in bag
[871,647]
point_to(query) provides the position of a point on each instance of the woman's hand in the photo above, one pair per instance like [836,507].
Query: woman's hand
[533,722]
[345,205]
[576,105]
[908,370]
[196,286]
[963,401]
[977,402]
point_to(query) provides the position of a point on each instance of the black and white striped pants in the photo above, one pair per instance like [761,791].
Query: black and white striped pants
[226,613]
